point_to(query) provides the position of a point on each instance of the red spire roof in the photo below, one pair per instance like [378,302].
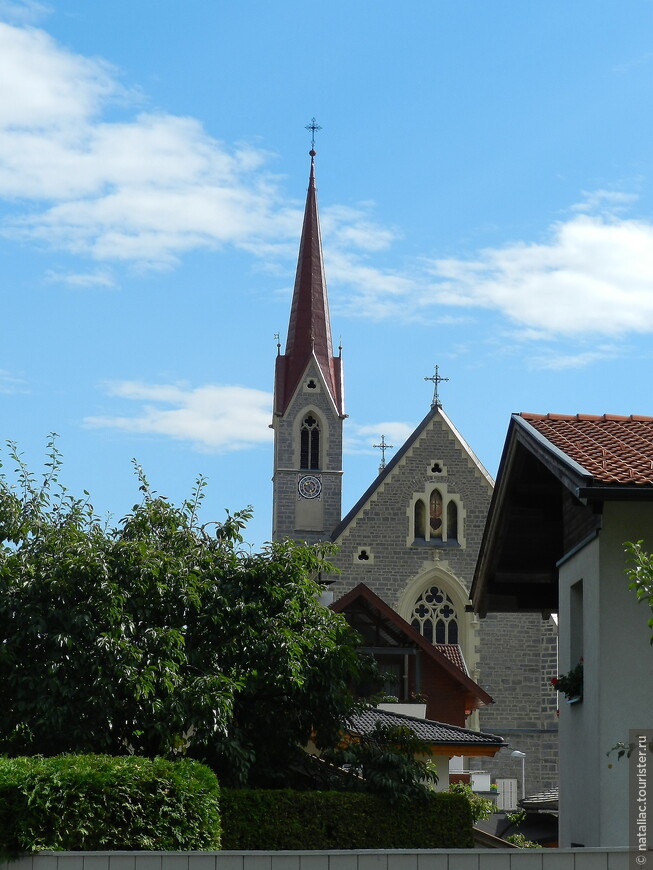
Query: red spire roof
[309,330]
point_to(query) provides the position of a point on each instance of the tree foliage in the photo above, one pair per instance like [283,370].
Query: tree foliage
[161,636]
[482,808]
[97,803]
[640,574]
[389,761]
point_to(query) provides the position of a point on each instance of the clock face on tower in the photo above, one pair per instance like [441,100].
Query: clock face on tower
[309,486]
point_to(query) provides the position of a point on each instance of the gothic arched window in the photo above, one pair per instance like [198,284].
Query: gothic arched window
[435,514]
[452,521]
[434,616]
[310,443]
[420,519]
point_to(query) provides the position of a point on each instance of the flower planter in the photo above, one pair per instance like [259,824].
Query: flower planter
[405,709]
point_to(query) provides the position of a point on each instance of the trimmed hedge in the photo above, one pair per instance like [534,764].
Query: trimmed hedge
[284,819]
[91,802]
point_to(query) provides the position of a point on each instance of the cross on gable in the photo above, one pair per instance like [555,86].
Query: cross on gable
[437,379]
[383,447]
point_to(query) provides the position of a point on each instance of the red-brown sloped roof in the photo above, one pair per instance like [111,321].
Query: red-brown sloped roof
[309,329]
[454,653]
[475,695]
[611,448]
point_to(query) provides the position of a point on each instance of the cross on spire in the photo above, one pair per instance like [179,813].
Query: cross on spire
[437,379]
[383,447]
[313,127]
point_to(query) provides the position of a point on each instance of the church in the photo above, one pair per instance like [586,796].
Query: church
[409,547]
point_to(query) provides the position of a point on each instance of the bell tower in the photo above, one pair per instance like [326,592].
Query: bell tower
[308,400]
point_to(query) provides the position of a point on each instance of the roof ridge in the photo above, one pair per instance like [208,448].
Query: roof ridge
[593,418]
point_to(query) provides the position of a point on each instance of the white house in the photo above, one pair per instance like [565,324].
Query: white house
[571,490]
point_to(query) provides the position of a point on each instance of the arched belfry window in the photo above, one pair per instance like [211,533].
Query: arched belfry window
[310,443]
[435,513]
[452,520]
[436,518]
[420,519]
[434,616]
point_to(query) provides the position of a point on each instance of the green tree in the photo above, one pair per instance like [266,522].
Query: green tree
[163,635]
[482,808]
[389,761]
[640,574]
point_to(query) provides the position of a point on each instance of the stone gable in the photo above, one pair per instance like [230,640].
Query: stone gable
[512,658]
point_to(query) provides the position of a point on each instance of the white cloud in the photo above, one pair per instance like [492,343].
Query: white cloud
[145,189]
[23,11]
[352,228]
[361,439]
[604,201]
[151,187]
[565,361]
[80,279]
[10,384]
[212,418]
[633,63]
[594,276]
[43,87]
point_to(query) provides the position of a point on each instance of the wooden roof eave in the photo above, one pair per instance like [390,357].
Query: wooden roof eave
[496,534]
[475,692]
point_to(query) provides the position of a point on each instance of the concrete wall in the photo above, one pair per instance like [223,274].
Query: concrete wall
[579,738]
[462,859]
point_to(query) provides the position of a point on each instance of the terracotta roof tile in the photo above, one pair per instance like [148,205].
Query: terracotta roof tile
[454,653]
[613,449]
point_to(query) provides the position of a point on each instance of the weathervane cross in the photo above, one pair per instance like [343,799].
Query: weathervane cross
[313,127]
[383,447]
[437,379]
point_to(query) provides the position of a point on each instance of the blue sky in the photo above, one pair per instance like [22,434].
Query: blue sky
[485,178]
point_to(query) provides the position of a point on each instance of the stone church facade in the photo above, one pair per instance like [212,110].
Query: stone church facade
[413,537]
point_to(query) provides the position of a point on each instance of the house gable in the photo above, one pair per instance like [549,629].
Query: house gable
[451,693]
[555,475]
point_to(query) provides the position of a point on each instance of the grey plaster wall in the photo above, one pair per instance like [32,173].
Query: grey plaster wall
[611,633]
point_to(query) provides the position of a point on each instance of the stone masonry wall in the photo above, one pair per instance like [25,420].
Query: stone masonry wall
[382,527]
[517,659]
[511,656]
[286,464]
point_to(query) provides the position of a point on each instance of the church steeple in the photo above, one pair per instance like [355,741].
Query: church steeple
[309,329]
[308,399]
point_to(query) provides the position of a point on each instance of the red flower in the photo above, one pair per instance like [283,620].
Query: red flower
[554,681]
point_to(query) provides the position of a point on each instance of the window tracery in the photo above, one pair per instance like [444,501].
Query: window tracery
[436,518]
[435,617]
[309,457]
